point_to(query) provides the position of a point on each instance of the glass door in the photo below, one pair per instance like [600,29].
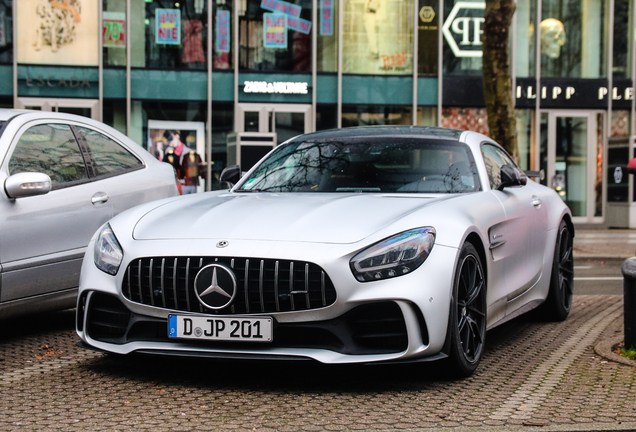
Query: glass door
[572,157]
[286,120]
[83,107]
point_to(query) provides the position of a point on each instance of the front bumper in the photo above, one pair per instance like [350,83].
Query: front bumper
[399,319]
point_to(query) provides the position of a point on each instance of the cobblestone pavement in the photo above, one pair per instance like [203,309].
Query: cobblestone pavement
[535,375]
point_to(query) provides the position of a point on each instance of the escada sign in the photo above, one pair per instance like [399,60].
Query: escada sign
[52,81]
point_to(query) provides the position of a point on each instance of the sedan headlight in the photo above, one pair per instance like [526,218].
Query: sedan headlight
[394,256]
[108,252]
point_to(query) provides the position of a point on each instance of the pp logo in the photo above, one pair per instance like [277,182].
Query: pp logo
[618,175]
[462,28]
[427,14]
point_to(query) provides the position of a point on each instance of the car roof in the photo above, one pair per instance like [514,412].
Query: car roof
[6,113]
[379,131]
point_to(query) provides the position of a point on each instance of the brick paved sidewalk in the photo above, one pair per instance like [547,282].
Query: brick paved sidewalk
[534,376]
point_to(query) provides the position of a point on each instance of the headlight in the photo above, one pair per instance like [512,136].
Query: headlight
[108,252]
[394,256]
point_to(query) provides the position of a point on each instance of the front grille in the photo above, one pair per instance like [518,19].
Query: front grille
[263,285]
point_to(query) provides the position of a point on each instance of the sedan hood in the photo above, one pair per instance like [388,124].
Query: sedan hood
[311,217]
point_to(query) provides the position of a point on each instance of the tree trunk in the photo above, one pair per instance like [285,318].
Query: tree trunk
[496,73]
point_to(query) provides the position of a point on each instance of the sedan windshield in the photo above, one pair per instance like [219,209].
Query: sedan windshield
[384,165]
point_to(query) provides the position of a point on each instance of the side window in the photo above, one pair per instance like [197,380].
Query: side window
[50,149]
[494,159]
[110,157]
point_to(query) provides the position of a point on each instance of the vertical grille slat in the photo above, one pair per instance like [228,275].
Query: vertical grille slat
[141,294]
[307,286]
[276,286]
[263,285]
[163,278]
[187,283]
[260,285]
[247,285]
[152,294]
[174,283]
[291,285]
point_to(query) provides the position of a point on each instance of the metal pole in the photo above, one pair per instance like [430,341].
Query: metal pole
[629,301]
[208,132]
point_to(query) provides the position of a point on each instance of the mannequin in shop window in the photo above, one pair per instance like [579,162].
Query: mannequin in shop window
[175,153]
[370,24]
[192,168]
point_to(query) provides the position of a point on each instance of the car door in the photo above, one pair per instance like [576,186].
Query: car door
[519,242]
[43,238]
[121,173]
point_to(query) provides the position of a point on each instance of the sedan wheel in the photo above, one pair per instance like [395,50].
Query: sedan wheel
[468,313]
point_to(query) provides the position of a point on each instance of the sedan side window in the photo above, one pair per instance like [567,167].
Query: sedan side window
[50,149]
[495,158]
[110,157]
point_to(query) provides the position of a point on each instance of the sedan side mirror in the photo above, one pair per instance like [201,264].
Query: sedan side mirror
[231,175]
[511,176]
[27,184]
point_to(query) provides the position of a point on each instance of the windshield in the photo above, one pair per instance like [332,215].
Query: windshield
[368,165]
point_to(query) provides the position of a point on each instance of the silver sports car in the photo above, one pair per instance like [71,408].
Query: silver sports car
[376,244]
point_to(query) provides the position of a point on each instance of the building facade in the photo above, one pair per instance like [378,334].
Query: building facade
[236,77]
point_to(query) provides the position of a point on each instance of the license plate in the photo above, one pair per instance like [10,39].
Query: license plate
[251,329]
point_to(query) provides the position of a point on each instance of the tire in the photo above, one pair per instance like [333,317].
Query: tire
[467,322]
[557,305]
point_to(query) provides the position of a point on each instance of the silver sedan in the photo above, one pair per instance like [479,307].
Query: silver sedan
[62,176]
[381,244]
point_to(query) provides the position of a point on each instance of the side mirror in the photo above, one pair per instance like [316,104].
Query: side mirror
[511,176]
[231,175]
[27,184]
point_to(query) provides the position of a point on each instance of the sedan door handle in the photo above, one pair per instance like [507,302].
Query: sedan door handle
[536,201]
[99,198]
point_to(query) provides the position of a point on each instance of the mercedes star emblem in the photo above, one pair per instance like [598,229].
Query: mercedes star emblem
[222,244]
[215,286]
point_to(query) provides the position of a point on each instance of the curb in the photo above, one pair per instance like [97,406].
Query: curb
[604,349]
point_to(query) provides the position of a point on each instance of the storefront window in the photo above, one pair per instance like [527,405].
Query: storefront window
[427,116]
[378,37]
[463,30]
[114,114]
[114,32]
[623,33]
[327,54]
[174,34]
[222,34]
[275,35]
[326,116]
[427,37]
[526,17]
[6,33]
[525,138]
[572,38]
[472,119]
[598,181]
[367,115]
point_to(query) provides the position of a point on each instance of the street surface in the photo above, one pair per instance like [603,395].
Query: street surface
[535,375]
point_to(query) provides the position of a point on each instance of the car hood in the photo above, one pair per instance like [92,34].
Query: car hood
[311,217]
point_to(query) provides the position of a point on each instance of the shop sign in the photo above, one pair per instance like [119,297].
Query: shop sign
[59,32]
[282,7]
[114,29]
[223,31]
[462,28]
[275,30]
[168,26]
[275,87]
[53,81]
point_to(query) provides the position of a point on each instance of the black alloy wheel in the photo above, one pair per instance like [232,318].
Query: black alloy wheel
[557,305]
[468,313]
